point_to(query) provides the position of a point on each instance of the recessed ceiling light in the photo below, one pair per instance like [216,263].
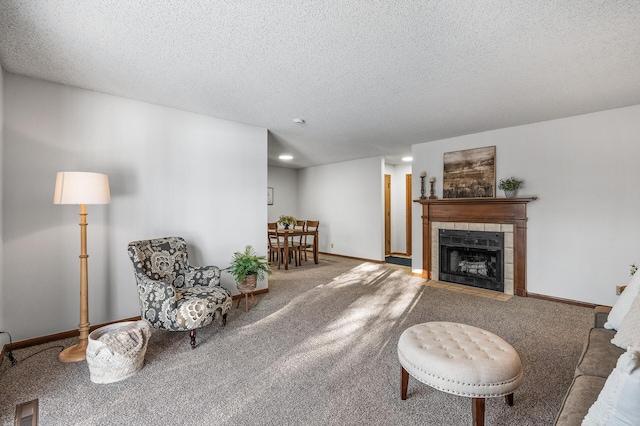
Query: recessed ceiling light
[298,121]
[286,157]
[407,159]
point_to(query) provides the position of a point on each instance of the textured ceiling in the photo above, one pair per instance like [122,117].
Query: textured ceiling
[370,78]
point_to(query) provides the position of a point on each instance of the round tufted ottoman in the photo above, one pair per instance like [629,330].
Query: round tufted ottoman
[462,360]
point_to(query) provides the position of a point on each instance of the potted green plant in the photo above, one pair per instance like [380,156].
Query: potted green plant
[287,221]
[247,268]
[510,186]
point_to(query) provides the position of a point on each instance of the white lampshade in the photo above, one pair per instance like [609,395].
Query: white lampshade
[81,188]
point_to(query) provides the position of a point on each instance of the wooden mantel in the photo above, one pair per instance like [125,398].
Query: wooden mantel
[480,210]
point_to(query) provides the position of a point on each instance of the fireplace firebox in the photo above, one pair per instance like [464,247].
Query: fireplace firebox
[474,258]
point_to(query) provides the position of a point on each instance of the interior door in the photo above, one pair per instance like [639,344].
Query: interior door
[387,215]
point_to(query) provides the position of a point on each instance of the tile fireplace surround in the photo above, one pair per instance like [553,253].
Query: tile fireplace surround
[508,215]
[507,229]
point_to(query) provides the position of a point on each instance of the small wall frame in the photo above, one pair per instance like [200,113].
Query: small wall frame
[269,196]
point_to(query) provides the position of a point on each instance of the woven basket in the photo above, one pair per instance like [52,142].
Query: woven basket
[248,284]
[116,352]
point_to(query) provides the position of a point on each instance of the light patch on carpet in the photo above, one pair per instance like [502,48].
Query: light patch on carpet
[474,291]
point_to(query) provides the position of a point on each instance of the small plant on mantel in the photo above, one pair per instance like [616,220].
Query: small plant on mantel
[287,221]
[510,184]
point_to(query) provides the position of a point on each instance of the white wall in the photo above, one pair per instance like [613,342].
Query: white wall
[171,172]
[285,193]
[348,200]
[583,230]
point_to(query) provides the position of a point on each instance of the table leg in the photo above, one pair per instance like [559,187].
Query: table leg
[286,252]
[246,302]
[404,383]
[478,411]
[315,248]
[253,300]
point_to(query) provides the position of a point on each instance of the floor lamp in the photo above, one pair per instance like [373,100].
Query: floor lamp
[81,188]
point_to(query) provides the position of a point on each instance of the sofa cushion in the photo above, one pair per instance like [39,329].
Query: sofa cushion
[583,392]
[617,403]
[622,305]
[599,356]
[629,331]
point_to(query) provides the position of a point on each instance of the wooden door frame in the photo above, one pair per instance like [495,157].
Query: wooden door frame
[408,207]
[387,214]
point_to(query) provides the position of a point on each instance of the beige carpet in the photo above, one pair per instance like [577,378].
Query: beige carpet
[319,349]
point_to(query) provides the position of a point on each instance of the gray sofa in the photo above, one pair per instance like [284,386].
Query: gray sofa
[598,359]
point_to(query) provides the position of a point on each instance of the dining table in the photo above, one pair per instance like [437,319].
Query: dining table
[287,235]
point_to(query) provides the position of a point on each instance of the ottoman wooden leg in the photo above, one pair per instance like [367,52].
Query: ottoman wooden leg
[404,383]
[478,411]
[509,399]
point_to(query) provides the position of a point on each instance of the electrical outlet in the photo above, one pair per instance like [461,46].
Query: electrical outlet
[331,245]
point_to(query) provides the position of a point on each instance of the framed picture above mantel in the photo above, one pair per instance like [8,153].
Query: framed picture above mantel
[470,173]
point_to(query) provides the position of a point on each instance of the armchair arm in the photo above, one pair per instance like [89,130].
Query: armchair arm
[202,275]
[158,302]
[156,285]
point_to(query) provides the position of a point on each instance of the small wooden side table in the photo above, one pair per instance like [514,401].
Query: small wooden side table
[247,289]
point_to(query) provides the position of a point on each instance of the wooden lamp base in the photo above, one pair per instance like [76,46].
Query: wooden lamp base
[75,353]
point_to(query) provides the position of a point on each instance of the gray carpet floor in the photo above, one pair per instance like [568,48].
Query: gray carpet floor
[319,349]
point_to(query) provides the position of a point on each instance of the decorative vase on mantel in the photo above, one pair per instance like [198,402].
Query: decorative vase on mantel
[510,193]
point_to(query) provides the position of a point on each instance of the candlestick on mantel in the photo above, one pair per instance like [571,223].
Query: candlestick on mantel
[432,181]
[422,176]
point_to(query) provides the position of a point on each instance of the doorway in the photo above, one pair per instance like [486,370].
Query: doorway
[397,214]
[387,215]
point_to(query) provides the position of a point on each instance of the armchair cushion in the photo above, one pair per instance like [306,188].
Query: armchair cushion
[198,305]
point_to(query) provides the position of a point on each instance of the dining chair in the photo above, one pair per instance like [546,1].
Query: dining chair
[298,242]
[275,245]
[311,225]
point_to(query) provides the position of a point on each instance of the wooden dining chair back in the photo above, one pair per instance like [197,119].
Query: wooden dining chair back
[308,240]
[276,248]
[297,242]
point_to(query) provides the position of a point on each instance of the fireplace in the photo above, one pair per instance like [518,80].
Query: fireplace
[506,215]
[474,258]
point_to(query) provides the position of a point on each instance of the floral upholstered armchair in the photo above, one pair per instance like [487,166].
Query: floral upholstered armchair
[174,295]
